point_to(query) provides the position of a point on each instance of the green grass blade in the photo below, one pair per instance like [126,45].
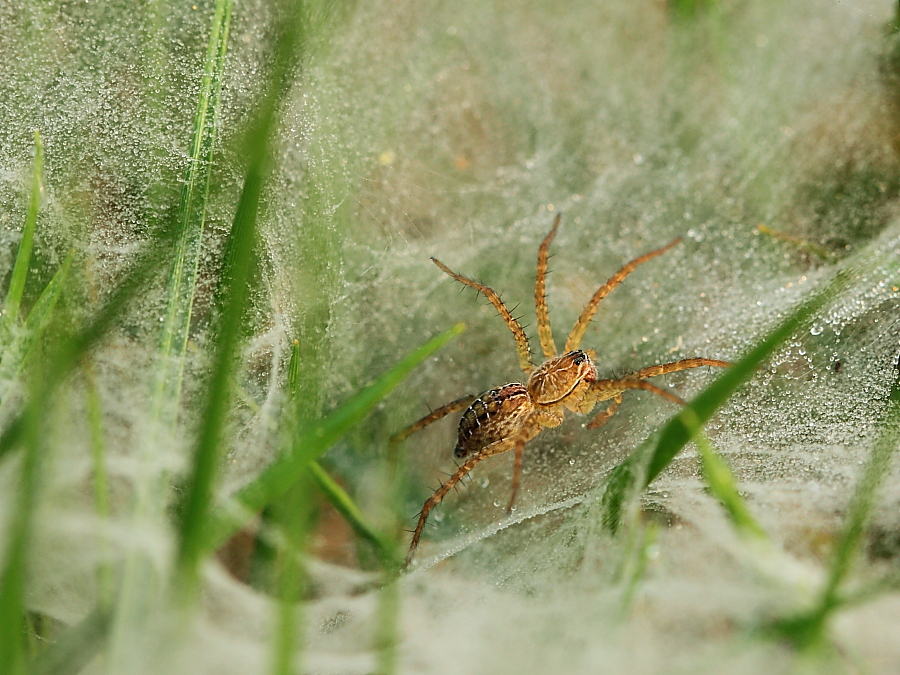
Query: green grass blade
[39,316]
[76,648]
[294,513]
[640,469]
[294,368]
[191,215]
[313,441]
[23,257]
[231,298]
[70,346]
[23,344]
[344,505]
[15,560]
[808,629]
[863,502]
[722,483]
[235,292]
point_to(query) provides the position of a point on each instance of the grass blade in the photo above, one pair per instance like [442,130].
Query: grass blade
[808,628]
[863,501]
[722,483]
[231,297]
[15,561]
[233,294]
[344,505]
[22,345]
[70,346]
[23,257]
[316,439]
[640,468]
[39,316]
[293,513]
[191,216]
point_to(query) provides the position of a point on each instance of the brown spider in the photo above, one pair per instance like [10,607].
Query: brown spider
[509,416]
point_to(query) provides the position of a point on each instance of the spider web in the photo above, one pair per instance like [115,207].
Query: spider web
[459,130]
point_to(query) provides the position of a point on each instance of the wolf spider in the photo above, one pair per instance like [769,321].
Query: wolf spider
[509,416]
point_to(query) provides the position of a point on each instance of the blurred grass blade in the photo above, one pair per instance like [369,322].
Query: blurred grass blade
[77,647]
[19,350]
[313,441]
[17,544]
[808,628]
[640,468]
[863,502]
[232,294]
[294,513]
[722,483]
[344,505]
[39,316]
[23,257]
[72,345]
[191,216]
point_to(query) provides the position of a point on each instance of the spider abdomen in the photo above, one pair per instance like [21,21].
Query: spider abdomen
[494,416]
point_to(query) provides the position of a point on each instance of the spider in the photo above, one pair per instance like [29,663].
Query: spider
[507,417]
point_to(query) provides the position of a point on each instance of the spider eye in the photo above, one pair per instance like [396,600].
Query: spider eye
[580,358]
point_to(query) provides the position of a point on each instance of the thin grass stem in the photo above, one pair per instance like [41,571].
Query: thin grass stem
[191,216]
[23,257]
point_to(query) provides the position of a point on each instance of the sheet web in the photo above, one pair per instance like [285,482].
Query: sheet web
[459,130]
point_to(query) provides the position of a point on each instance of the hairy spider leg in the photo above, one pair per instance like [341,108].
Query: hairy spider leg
[674,367]
[539,419]
[545,332]
[433,416]
[522,348]
[580,327]
[603,417]
[439,494]
[603,390]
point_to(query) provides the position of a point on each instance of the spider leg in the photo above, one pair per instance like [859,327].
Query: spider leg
[538,420]
[587,314]
[684,364]
[517,471]
[545,332]
[432,417]
[603,417]
[603,390]
[439,495]
[522,348]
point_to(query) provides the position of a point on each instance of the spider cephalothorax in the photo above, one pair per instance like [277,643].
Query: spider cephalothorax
[562,380]
[507,417]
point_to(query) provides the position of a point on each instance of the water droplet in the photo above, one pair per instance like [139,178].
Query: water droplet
[816,330]
[497,503]
[571,462]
